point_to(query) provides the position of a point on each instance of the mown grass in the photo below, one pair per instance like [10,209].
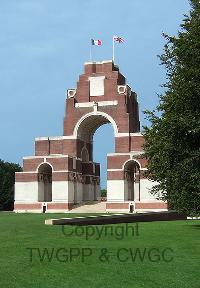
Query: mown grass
[20,232]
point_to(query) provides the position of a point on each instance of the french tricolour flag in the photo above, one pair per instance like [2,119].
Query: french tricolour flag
[96,42]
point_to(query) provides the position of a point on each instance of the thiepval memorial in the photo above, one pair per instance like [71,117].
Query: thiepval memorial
[63,174]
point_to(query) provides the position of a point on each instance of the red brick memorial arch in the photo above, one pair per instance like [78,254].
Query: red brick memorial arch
[102,96]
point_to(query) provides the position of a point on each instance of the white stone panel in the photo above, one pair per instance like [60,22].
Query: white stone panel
[28,211]
[70,191]
[97,85]
[115,190]
[136,191]
[60,190]
[79,188]
[100,103]
[145,186]
[26,191]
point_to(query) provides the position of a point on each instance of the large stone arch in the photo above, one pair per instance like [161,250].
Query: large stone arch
[41,164]
[86,128]
[84,131]
[90,122]
[101,96]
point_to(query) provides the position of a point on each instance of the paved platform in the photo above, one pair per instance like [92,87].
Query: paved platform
[90,207]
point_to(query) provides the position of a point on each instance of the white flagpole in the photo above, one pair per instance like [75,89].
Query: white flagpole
[113,50]
[90,50]
[113,56]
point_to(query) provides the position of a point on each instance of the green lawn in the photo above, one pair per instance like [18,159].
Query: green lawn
[20,232]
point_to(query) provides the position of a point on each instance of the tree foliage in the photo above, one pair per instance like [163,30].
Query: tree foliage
[7,180]
[103,192]
[172,142]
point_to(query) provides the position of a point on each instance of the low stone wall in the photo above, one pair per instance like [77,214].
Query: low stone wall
[115,219]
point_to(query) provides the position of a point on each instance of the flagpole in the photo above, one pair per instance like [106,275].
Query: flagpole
[91,50]
[113,50]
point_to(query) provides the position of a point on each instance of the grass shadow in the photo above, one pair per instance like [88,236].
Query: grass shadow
[194,226]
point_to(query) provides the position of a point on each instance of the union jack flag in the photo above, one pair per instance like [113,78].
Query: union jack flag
[118,39]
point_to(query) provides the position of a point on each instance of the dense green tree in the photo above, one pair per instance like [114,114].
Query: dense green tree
[173,138]
[7,180]
[103,192]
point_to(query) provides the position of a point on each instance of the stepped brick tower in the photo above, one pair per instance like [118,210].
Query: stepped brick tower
[62,172]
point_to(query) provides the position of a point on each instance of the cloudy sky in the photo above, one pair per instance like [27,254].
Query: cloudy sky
[43,46]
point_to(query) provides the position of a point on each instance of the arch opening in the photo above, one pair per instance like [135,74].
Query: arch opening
[89,123]
[103,143]
[45,183]
[95,148]
[132,181]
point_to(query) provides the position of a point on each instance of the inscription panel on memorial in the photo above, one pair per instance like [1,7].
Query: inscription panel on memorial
[97,85]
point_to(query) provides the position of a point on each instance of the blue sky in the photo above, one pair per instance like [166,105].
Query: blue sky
[43,45]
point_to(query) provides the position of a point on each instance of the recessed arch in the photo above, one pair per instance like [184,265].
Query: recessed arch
[131,160]
[85,155]
[45,182]
[37,169]
[131,170]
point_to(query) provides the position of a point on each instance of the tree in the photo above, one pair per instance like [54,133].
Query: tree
[103,193]
[172,142]
[7,180]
